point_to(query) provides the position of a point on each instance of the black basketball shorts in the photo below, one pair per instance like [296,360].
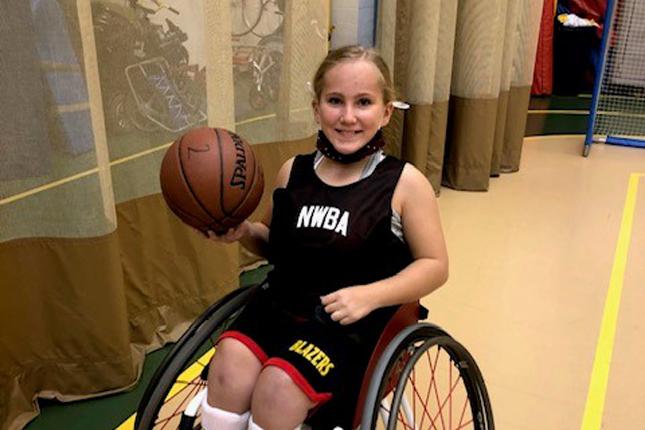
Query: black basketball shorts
[322,357]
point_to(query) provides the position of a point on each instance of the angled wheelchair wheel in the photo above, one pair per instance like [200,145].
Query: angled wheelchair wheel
[174,393]
[426,380]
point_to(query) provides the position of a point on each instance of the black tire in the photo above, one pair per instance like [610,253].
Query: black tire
[403,360]
[249,23]
[257,100]
[117,119]
[196,341]
[141,122]
[269,28]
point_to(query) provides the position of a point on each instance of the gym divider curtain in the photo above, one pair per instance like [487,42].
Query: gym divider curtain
[466,68]
[94,269]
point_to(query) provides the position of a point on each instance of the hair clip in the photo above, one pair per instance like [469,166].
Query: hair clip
[310,88]
[400,105]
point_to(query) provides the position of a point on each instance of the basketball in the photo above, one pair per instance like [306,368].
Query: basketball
[211,179]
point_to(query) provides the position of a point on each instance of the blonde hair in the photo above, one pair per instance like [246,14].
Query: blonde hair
[355,53]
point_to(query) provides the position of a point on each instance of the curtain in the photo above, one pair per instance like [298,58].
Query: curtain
[543,74]
[95,271]
[466,69]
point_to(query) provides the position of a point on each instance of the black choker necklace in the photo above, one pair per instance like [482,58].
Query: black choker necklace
[327,149]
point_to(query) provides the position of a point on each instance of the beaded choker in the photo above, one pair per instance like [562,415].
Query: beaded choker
[327,149]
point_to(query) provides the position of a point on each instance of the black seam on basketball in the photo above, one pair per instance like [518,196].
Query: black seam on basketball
[172,204]
[182,214]
[221,169]
[190,188]
[251,185]
[176,208]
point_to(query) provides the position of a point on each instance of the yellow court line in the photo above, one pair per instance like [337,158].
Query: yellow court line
[592,418]
[267,116]
[256,119]
[63,181]
[127,424]
[140,154]
[187,375]
[48,186]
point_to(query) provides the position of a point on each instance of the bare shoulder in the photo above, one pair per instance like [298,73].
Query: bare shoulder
[281,180]
[412,186]
[412,177]
[282,177]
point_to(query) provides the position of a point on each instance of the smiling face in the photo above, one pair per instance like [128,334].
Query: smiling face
[351,109]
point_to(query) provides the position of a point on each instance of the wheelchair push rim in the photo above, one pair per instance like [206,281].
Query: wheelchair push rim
[427,380]
[182,375]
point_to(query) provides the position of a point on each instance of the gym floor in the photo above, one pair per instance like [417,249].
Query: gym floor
[546,279]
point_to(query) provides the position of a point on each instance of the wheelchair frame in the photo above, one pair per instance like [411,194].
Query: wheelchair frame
[401,346]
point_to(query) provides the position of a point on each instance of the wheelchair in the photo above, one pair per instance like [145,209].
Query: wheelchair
[418,377]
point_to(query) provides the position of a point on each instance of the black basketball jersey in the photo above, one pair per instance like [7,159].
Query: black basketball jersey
[323,238]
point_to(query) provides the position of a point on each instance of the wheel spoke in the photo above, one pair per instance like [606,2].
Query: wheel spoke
[463,413]
[179,381]
[440,377]
[449,396]
[433,380]
[417,395]
[434,376]
[179,409]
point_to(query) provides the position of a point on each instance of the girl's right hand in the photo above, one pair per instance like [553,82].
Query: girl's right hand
[232,235]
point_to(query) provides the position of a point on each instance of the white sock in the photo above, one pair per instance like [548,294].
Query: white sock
[219,419]
[254,426]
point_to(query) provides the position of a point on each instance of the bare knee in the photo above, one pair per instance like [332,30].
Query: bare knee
[278,403]
[232,374]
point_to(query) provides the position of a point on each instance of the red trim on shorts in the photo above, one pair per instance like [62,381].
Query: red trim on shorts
[247,341]
[299,380]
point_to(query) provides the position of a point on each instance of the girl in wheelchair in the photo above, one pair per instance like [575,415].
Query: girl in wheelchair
[352,234]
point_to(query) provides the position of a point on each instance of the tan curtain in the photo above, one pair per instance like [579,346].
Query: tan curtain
[465,68]
[94,270]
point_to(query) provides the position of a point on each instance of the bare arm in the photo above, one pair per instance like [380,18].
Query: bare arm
[415,199]
[254,236]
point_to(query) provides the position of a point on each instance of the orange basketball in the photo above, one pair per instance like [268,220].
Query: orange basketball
[211,179]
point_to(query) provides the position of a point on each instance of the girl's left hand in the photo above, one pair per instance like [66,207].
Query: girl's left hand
[348,305]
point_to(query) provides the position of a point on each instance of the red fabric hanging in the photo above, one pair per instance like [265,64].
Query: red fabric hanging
[543,71]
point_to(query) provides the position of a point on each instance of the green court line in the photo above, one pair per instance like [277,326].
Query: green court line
[592,418]
[557,112]
[65,180]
